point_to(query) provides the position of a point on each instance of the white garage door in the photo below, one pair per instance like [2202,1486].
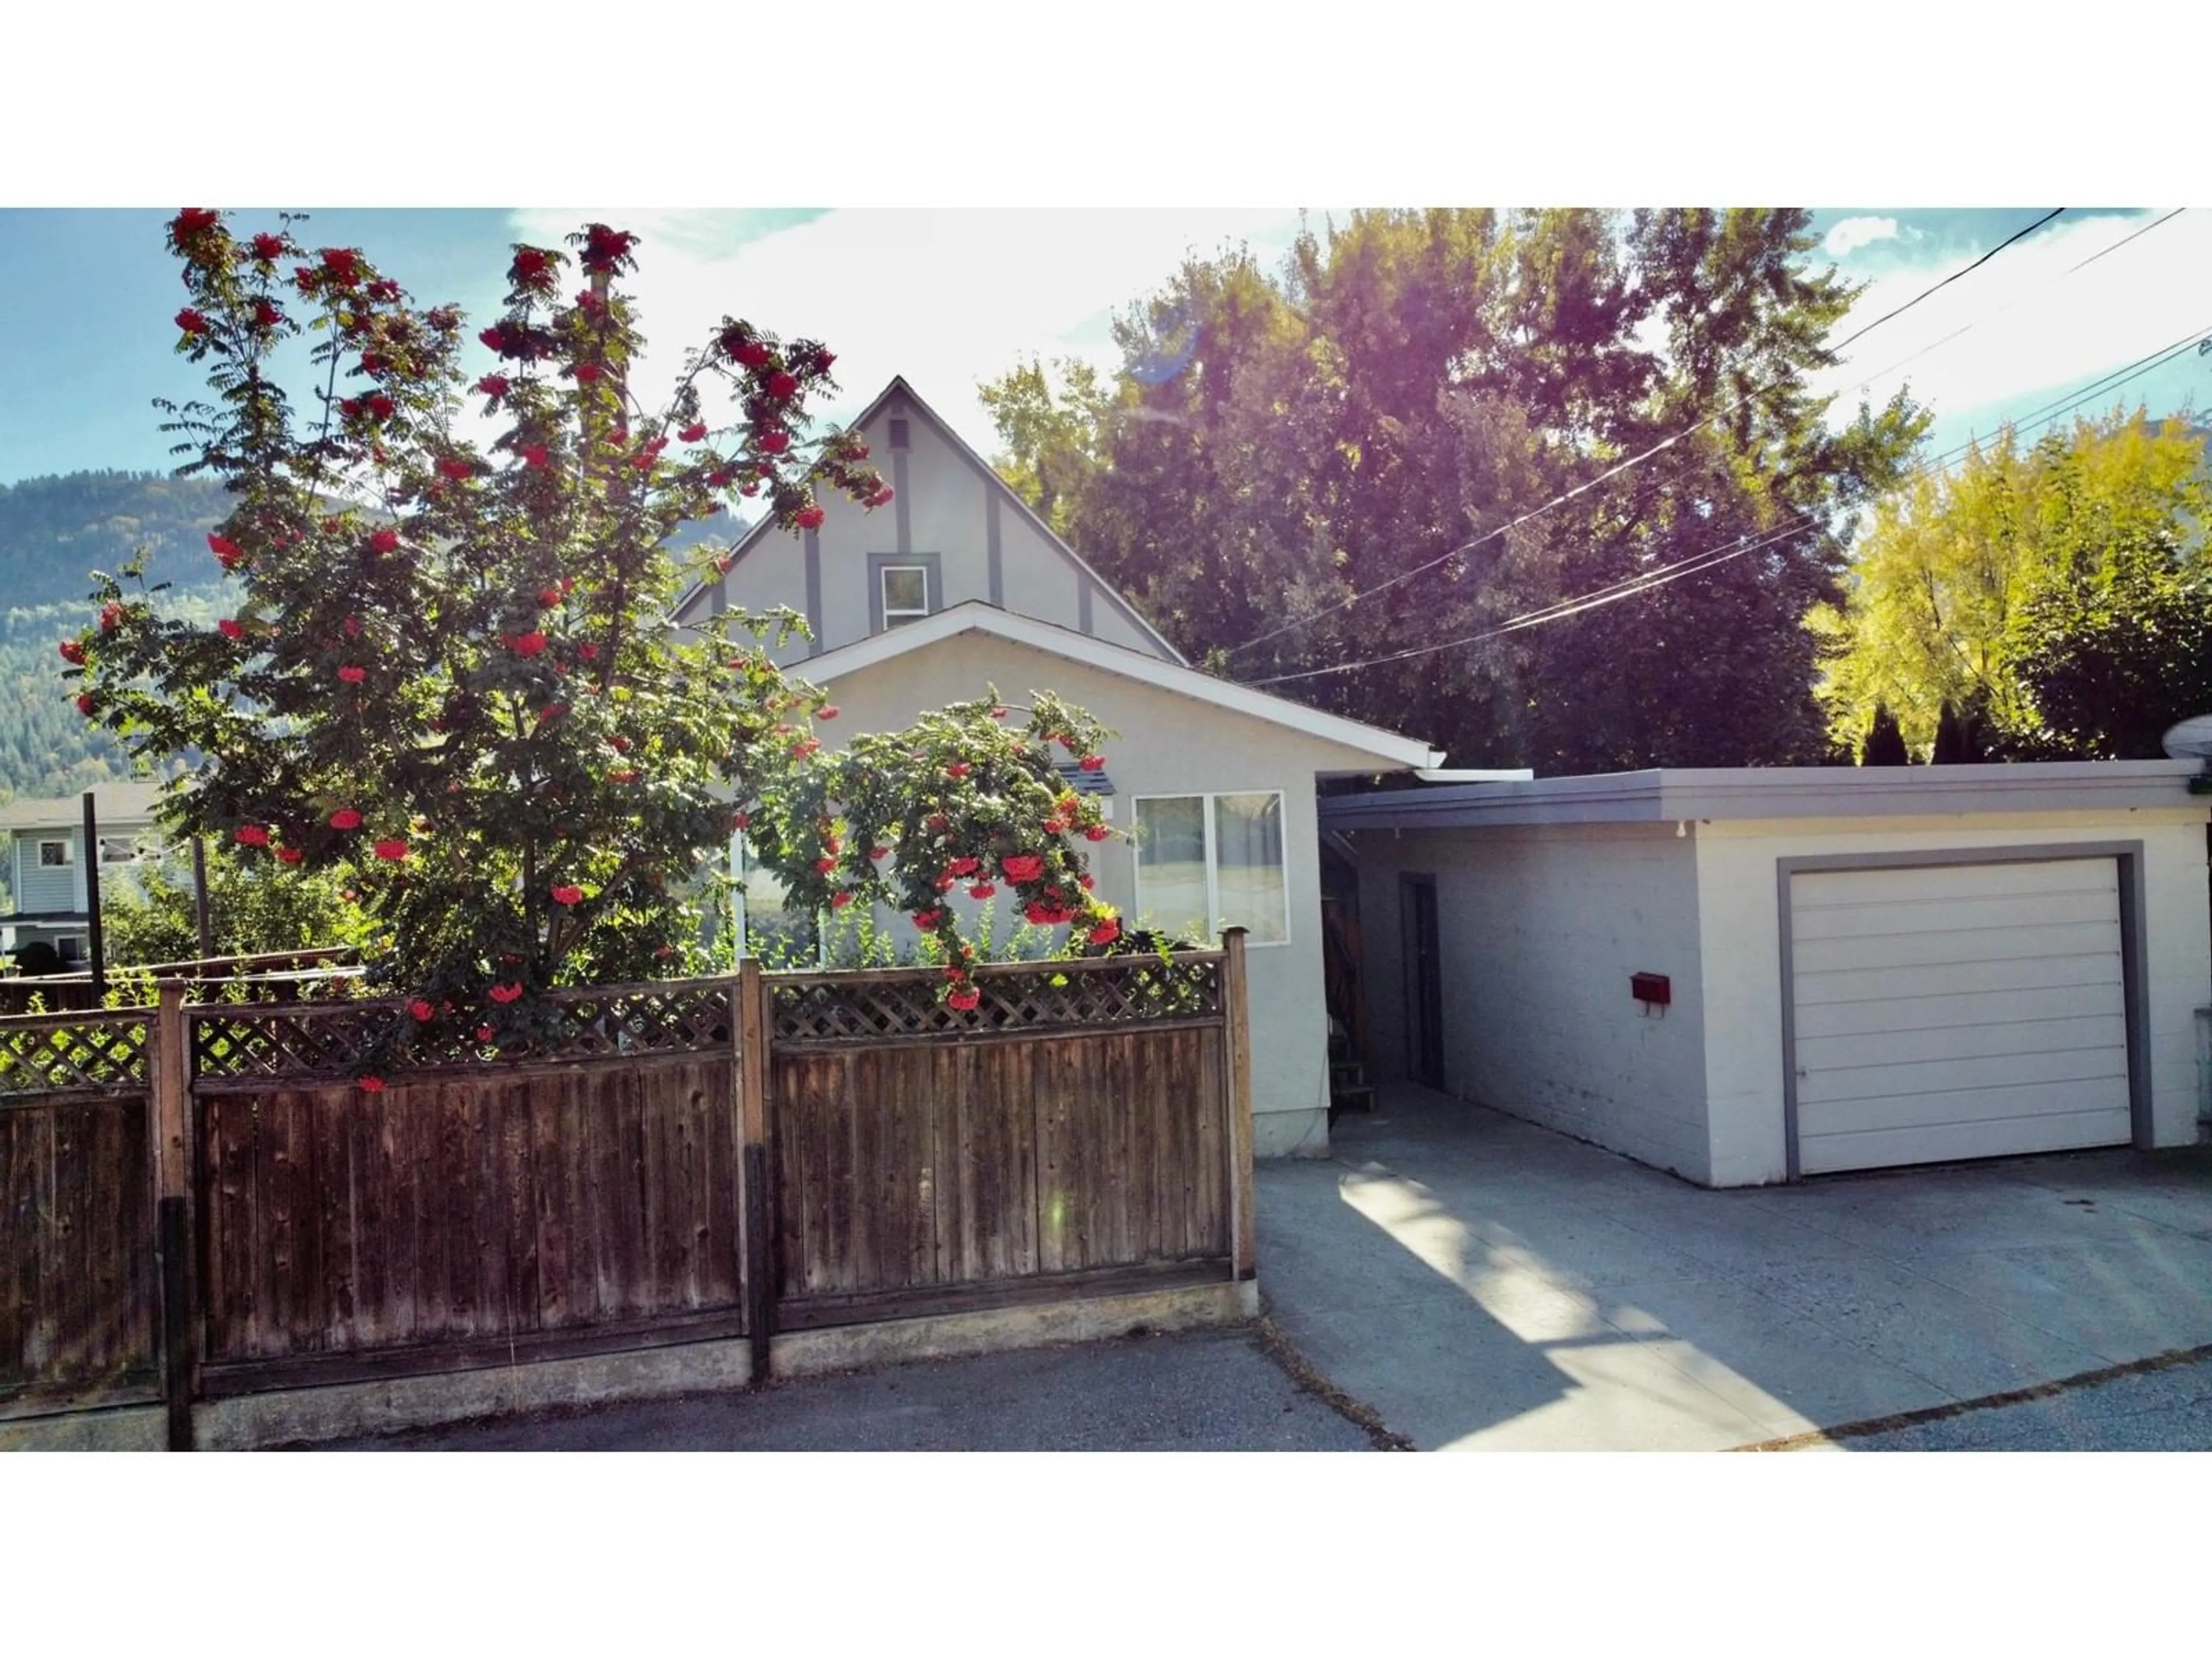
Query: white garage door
[1966,1011]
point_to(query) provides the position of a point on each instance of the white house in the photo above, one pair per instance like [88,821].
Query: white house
[957,586]
[1748,975]
[43,842]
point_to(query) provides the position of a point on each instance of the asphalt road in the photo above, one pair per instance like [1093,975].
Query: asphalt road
[2165,1410]
[1196,1391]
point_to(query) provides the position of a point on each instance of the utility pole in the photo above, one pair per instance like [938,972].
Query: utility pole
[200,898]
[92,901]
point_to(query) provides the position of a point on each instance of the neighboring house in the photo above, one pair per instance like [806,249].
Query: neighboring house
[1750,975]
[45,851]
[957,587]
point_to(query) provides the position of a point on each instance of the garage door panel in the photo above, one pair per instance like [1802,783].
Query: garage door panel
[1887,1148]
[1952,1042]
[1876,1015]
[1962,1108]
[1974,915]
[1949,884]
[1860,1086]
[1962,1010]
[1953,947]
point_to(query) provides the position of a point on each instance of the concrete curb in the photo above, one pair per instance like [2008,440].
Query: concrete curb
[122,1428]
[951,1336]
[346,1411]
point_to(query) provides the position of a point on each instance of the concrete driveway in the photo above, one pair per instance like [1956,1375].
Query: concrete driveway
[1483,1284]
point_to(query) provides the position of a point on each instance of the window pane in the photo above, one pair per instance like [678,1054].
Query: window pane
[53,852]
[779,935]
[906,587]
[1248,849]
[1172,865]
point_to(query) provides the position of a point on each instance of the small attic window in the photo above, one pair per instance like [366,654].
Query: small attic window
[899,434]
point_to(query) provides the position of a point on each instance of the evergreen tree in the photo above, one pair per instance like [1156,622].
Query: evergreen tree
[1884,743]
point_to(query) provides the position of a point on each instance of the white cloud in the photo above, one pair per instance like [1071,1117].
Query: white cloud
[947,299]
[1846,236]
[2027,321]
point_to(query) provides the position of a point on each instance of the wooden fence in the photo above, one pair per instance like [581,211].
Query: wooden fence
[76,1213]
[226,1210]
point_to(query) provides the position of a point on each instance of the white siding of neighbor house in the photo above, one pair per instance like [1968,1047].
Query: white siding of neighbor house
[945,505]
[1540,929]
[1166,744]
[1740,923]
[41,888]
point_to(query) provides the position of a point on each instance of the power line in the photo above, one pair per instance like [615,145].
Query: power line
[1968,327]
[1634,460]
[1929,294]
[1692,564]
[1628,587]
[2112,382]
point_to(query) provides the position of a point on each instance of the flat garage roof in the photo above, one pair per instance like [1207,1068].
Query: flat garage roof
[1779,792]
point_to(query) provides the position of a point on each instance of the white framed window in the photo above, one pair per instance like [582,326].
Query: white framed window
[73,947]
[1205,862]
[55,854]
[770,928]
[904,592]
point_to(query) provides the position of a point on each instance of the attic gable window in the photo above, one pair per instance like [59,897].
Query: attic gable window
[903,587]
[906,593]
[899,434]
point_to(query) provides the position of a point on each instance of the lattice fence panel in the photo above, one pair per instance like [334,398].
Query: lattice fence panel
[344,1040]
[861,1008]
[44,1053]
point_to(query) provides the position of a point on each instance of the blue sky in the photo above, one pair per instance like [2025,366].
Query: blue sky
[86,340]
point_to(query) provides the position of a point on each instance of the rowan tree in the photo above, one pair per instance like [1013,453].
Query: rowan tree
[450,673]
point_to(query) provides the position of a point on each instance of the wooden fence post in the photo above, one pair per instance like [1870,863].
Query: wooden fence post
[169,1073]
[1237,1022]
[751,1030]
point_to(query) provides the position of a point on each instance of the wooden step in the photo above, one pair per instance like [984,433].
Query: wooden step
[1358,1098]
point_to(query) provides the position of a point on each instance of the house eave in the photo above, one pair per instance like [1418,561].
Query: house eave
[1779,792]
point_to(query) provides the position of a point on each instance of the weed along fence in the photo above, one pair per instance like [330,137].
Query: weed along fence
[214,1235]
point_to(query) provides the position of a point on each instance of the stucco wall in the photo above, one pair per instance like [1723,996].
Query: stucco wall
[1540,929]
[1741,926]
[1166,744]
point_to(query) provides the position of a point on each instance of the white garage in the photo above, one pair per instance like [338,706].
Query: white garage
[1749,976]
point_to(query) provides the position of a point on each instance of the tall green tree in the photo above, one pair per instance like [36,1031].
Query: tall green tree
[1279,443]
[2045,591]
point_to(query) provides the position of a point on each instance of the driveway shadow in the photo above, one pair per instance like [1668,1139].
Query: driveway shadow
[1486,1284]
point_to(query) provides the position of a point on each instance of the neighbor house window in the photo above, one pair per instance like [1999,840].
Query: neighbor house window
[53,854]
[770,928]
[1209,861]
[905,593]
[116,850]
[71,947]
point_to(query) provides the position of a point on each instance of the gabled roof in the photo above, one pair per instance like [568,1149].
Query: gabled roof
[129,802]
[959,445]
[1393,750]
